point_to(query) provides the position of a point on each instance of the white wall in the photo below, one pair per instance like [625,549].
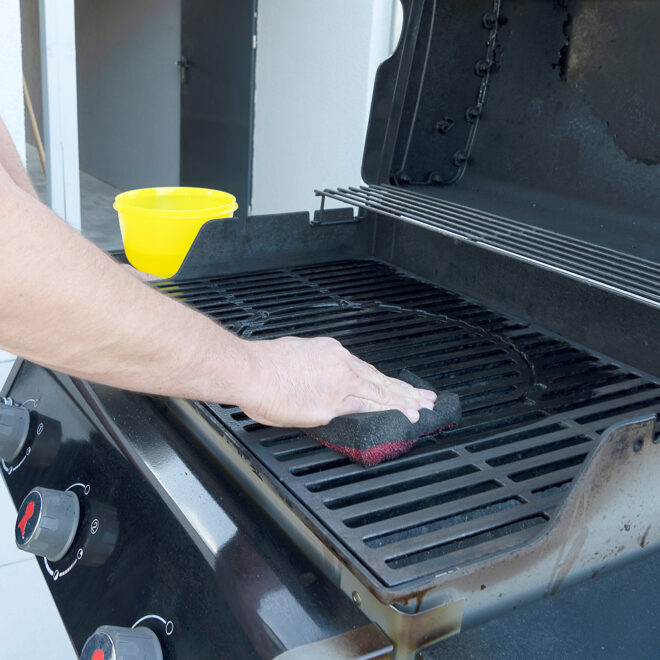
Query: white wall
[11,71]
[315,65]
[128,90]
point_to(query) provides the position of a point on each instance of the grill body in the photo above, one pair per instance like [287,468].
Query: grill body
[473,522]
[505,248]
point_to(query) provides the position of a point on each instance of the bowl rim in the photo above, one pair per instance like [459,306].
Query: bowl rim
[122,203]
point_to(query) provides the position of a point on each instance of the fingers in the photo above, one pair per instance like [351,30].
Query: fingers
[369,372]
[377,393]
[354,404]
[389,392]
[429,395]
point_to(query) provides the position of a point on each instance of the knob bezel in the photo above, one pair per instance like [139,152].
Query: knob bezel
[20,445]
[48,540]
[110,640]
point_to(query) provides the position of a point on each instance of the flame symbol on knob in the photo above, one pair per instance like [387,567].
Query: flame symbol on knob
[29,512]
[98,655]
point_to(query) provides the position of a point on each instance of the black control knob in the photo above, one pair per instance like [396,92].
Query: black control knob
[46,523]
[14,426]
[114,643]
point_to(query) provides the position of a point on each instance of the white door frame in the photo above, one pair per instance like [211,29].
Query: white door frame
[60,107]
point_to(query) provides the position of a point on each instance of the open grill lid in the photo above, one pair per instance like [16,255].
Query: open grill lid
[544,112]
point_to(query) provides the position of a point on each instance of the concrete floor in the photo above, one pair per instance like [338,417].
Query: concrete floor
[99,219]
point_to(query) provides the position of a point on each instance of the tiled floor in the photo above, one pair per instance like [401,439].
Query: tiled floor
[99,219]
[30,625]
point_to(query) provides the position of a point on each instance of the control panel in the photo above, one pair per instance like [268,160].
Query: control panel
[126,578]
[115,643]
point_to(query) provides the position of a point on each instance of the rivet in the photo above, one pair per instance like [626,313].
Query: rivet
[460,158]
[357,599]
[444,125]
[482,67]
[489,20]
[473,113]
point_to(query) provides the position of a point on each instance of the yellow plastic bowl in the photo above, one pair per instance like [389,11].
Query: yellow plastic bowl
[158,225]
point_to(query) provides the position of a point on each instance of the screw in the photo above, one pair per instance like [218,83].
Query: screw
[489,20]
[437,178]
[472,114]
[460,158]
[444,125]
[357,599]
[482,67]
[404,178]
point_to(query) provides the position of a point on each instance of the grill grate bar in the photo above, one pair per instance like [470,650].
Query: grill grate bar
[385,498]
[481,496]
[473,525]
[600,266]
[491,492]
[473,547]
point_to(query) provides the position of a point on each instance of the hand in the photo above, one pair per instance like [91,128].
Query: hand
[306,382]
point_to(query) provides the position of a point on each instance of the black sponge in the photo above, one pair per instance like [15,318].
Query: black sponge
[370,438]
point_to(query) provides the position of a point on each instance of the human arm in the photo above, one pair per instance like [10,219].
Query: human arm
[10,162]
[67,305]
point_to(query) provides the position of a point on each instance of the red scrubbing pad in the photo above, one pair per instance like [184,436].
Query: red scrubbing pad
[369,438]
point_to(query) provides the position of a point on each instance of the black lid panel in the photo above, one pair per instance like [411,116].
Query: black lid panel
[527,103]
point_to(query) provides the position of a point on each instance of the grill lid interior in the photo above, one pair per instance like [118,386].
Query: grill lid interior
[545,112]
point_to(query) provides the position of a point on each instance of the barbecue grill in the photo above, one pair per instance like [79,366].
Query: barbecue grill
[504,247]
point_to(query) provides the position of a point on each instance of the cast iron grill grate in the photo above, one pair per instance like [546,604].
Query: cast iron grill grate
[534,406]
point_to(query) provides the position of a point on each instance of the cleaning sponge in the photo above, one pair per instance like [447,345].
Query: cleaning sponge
[370,438]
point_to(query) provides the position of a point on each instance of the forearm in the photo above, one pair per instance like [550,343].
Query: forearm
[65,304]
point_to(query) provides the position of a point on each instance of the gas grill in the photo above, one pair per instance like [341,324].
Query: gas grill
[503,247]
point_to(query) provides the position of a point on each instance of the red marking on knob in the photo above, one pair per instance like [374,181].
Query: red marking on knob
[29,512]
[98,655]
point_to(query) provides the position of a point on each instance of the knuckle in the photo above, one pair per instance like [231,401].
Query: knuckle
[381,391]
[330,345]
